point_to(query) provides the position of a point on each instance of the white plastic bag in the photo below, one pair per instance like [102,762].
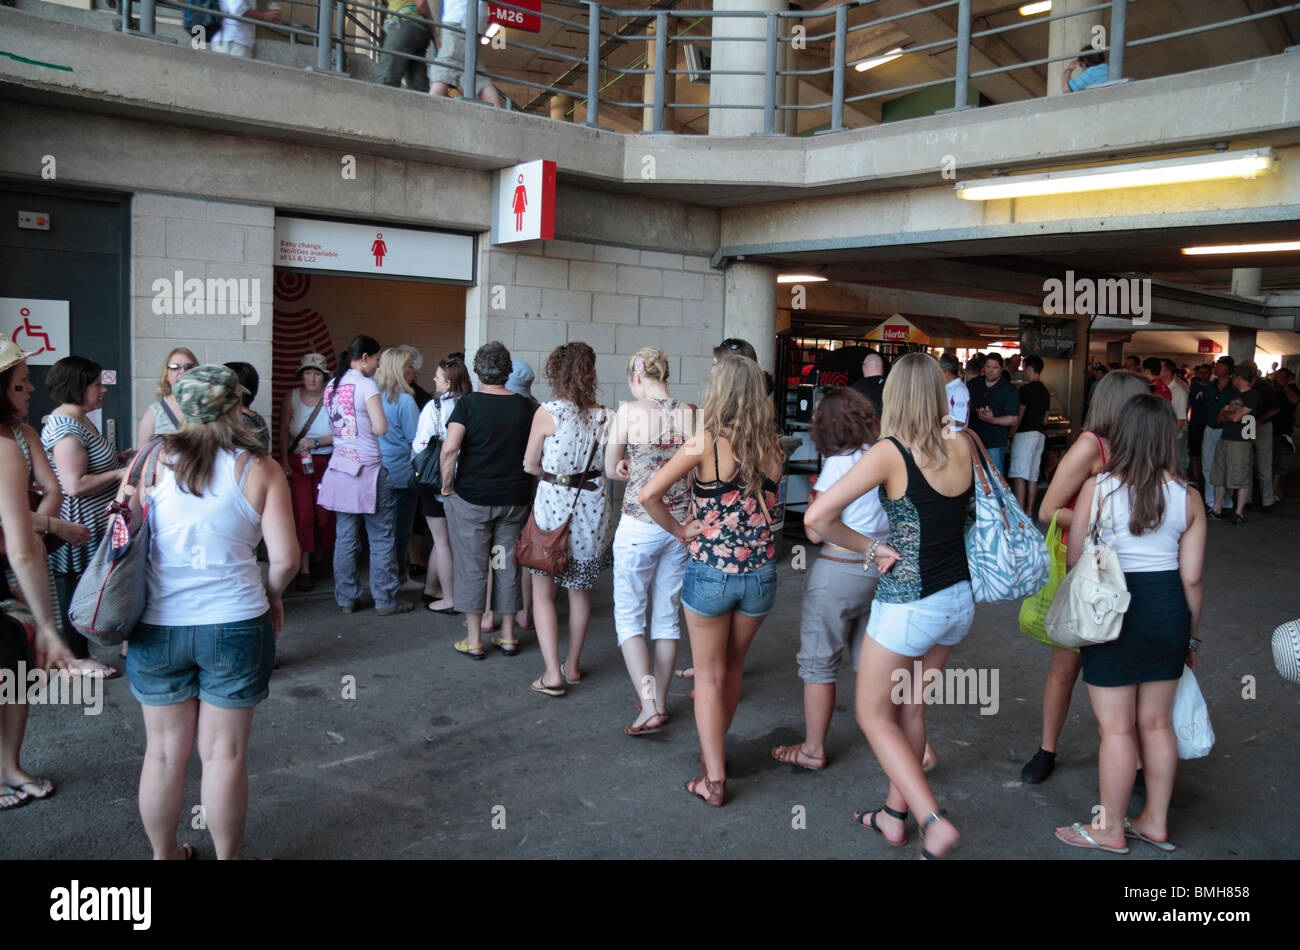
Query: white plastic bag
[1190,719]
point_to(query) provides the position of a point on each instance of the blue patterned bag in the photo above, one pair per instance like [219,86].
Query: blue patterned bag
[1005,552]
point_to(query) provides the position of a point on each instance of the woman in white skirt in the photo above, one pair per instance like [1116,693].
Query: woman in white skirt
[563,452]
[648,561]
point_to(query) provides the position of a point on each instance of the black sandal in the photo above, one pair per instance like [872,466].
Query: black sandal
[872,826]
[934,816]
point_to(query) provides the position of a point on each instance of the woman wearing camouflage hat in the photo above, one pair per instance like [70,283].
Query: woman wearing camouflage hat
[201,657]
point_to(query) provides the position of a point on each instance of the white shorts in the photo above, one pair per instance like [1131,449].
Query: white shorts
[231,49]
[914,628]
[1026,455]
[648,567]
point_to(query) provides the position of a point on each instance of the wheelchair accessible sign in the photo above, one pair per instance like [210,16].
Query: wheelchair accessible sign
[38,327]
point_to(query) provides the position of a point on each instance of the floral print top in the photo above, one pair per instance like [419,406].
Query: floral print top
[644,459]
[737,538]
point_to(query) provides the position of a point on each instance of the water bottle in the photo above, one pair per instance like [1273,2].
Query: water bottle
[307,466]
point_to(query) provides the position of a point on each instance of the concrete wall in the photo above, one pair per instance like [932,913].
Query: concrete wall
[615,299]
[206,240]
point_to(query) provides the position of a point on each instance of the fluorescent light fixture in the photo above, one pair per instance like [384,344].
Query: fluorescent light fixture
[1244,248]
[1031,9]
[1168,171]
[800,279]
[889,57]
[493,30]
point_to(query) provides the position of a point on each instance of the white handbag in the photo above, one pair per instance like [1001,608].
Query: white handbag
[1090,604]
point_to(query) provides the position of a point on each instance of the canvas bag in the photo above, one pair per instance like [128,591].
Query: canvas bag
[1005,552]
[1090,604]
[110,596]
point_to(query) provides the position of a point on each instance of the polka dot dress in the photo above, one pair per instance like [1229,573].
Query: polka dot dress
[566,453]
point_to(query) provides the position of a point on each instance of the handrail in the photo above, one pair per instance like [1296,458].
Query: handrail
[782,37]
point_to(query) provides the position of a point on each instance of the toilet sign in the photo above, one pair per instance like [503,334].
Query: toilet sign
[39,327]
[523,200]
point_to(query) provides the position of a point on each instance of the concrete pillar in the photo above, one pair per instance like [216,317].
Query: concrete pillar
[561,106]
[749,308]
[1241,344]
[1069,36]
[747,55]
[1246,281]
[1115,352]
[648,81]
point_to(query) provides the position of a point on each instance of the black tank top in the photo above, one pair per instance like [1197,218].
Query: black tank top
[928,529]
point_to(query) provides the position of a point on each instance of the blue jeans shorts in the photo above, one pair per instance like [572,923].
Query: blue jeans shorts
[224,664]
[710,592]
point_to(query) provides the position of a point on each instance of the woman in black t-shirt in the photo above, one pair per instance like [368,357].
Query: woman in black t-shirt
[487,495]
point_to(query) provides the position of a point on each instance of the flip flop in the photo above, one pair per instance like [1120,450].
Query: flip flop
[645,729]
[539,686]
[39,784]
[1091,842]
[188,850]
[100,674]
[566,677]
[10,791]
[681,674]
[464,649]
[1131,832]
[449,611]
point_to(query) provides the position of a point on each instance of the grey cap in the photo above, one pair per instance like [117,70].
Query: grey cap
[521,378]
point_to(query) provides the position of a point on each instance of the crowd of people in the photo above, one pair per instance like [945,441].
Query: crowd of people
[890,585]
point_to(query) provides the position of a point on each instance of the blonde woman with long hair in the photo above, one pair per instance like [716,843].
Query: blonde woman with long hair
[164,416]
[395,446]
[730,580]
[648,561]
[923,605]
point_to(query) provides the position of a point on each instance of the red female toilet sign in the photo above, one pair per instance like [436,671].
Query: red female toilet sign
[523,199]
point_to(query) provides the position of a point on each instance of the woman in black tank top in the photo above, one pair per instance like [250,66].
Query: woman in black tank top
[923,605]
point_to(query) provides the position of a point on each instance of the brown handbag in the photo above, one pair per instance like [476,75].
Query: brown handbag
[549,550]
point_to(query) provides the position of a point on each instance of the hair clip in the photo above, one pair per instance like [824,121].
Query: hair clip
[639,366]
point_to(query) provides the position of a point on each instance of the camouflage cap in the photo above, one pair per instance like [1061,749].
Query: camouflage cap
[206,393]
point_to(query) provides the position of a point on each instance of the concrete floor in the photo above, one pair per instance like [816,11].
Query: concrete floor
[433,747]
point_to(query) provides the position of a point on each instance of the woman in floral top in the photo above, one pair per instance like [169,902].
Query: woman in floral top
[730,581]
[648,561]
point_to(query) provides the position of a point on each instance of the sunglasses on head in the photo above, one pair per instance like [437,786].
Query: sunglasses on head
[183,367]
[732,345]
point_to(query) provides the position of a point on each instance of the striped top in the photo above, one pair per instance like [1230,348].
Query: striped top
[90,510]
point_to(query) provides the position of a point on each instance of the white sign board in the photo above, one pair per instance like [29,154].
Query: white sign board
[523,200]
[373,249]
[39,327]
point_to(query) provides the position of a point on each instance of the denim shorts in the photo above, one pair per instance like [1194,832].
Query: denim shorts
[710,592]
[224,664]
[911,629]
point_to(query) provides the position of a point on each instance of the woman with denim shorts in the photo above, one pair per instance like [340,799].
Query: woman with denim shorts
[648,561]
[201,657]
[730,580]
[923,605]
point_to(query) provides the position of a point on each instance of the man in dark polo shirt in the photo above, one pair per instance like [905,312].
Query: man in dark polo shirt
[1029,439]
[872,383]
[1233,455]
[995,409]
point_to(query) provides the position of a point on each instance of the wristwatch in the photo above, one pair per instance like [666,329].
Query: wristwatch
[315,443]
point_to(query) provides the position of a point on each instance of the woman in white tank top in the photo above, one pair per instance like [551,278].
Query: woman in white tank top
[201,657]
[1157,525]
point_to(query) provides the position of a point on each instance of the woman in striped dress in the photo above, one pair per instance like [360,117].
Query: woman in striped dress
[88,468]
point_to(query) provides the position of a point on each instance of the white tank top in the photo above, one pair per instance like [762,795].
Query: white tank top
[1156,550]
[202,566]
[320,426]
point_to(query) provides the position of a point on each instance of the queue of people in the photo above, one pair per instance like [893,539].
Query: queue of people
[891,585]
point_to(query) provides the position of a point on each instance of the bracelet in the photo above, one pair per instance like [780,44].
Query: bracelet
[446,491]
[1195,643]
[871,556]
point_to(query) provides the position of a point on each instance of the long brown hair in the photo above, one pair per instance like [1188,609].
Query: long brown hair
[1144,449]
[571,371]
[1113,392]
[737,402]
[194,446]
[458,383]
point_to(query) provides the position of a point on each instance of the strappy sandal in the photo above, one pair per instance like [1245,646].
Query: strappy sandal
[1131,832]
[934,817]
[872,826]
[507,647]
[789,755]
[646,729]
[464,649]
[716,791]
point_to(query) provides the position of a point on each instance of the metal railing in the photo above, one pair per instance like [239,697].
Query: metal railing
[817,48]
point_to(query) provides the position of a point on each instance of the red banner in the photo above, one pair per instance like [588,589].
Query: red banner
[1208,346]
[517,19]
